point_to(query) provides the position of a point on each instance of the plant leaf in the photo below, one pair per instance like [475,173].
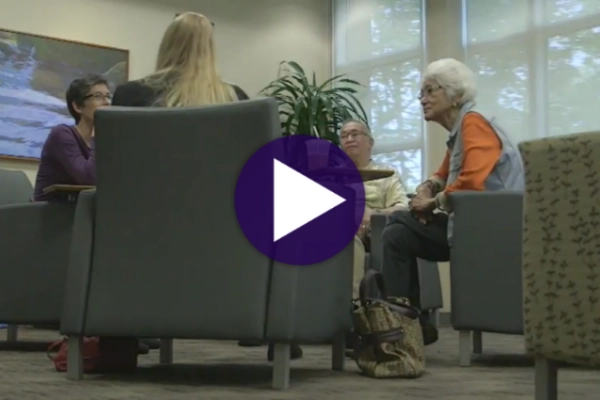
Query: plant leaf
[305,107]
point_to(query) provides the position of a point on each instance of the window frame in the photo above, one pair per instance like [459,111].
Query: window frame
[368,65]
[536,38]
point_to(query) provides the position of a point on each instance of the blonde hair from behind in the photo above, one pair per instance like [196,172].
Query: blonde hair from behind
[186,68]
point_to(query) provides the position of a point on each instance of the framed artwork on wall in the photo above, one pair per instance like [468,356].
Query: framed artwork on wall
[35,72]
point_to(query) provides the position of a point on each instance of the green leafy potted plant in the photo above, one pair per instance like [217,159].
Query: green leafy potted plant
[309,108]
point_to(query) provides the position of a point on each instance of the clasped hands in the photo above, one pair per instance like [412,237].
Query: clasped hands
[423,204]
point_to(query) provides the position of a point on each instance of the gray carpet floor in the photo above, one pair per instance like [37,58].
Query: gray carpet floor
[222,370]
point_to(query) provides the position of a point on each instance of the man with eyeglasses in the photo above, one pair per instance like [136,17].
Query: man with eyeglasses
[381,196]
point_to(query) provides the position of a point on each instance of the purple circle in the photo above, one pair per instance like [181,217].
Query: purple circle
[324,164]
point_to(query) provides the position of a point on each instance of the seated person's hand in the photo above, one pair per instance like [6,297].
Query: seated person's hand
[424,191]
[422,206]
[365,226]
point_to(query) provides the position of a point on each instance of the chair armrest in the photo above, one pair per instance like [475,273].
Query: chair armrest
[430,285]
[34,253]
[313,302]
[79,265]
[485,261]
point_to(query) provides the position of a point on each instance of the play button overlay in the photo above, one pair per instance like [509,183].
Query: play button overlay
[291,190]
[299,200]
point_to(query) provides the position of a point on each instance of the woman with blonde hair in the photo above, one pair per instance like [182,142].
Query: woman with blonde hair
[186,76]
[186,72]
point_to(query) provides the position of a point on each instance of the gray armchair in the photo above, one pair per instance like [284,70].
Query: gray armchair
[429,275]
[16,187]
[157,250]
[34,254]
[485,267]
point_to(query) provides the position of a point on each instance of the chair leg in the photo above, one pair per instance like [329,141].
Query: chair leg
[434,317]
[12,332]
[477,342]
[75,358]
[338,352]
[464,348]
[281,366]
[546,379]
[166,351]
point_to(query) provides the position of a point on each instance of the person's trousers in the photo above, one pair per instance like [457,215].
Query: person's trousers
[405,239]
[359,265]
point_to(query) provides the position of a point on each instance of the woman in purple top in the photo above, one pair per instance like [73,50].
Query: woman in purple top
[68,153]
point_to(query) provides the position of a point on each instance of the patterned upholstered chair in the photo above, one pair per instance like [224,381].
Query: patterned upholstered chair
[561,255]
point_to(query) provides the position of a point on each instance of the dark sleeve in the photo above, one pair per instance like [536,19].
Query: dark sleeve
[241,95]
[65,149]
[133,94]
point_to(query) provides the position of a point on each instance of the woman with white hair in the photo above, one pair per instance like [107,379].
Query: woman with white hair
[480,156]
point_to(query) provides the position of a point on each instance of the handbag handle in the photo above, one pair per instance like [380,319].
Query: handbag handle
[402,309]
[370,275]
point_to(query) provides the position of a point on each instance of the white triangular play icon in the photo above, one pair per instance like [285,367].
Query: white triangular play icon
[297,200]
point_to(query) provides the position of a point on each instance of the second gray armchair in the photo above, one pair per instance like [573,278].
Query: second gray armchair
[485,267]
[36,239]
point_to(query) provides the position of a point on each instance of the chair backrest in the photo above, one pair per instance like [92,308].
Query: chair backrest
[15,187]
[166,230]
[561,258]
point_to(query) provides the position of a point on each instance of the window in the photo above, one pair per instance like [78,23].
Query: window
[379,43]
[538,63]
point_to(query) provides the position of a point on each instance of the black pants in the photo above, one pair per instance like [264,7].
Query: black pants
[405,239]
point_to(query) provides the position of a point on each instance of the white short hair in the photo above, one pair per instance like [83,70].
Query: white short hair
[455,77]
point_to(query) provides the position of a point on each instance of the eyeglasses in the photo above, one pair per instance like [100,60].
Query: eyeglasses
[351,135]
[428,91]
[99,96]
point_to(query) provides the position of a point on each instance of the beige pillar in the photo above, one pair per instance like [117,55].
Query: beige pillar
[443,36]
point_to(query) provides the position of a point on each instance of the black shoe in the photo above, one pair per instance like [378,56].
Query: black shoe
[251,343]
[143,348]
[152,344]
[295,352]
[430,333]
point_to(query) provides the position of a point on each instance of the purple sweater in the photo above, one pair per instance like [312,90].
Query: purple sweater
[66,160]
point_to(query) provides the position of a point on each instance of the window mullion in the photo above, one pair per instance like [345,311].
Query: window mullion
[570,25]
[538,65]
[382,61]
[398,145]
[339,36]
[353,38]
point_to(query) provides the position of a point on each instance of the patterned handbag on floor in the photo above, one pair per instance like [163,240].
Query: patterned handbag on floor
[388,341]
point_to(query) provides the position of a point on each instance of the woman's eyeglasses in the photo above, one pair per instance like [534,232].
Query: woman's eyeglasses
[99,96]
